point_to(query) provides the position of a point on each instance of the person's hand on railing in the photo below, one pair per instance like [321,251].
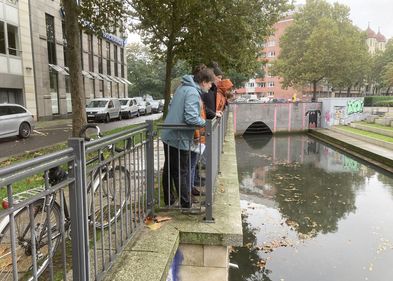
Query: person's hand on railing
[219,114]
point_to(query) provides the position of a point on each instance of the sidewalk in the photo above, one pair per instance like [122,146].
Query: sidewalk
[374,154]
[52,123]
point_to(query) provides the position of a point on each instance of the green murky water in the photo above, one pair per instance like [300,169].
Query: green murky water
[311,213]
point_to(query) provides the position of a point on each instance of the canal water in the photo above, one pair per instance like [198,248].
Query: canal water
[311,213]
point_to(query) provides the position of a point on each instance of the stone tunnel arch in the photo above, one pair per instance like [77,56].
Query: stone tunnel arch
[259,128]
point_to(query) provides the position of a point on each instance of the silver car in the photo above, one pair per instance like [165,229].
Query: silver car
[15,120]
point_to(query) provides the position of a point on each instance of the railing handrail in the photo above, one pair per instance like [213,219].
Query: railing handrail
[33,166]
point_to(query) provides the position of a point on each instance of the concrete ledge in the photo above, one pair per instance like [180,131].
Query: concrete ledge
[381,131]
[378,142]
[378,156]
[150,255]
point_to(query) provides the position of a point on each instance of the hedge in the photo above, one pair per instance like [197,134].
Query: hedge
[378,101]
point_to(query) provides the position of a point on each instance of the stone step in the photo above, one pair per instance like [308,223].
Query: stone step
[384,121]
[381,143]
[385,132]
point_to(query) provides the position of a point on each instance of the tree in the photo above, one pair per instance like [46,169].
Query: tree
[381,60]
[319,45]
[147,73]
[94,16]
[388,75]
[227,31]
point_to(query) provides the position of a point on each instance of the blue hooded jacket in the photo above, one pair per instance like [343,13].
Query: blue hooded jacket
[184,109]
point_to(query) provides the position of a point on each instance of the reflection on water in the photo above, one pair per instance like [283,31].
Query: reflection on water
[311,213]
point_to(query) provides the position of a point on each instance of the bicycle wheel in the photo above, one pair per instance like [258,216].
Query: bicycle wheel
[109,196]
[23,251]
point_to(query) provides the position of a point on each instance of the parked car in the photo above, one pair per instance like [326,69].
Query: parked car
[15,120]
[103,109]
[144,107]
[129,108]
[253,100]
[265,99]
[156,106]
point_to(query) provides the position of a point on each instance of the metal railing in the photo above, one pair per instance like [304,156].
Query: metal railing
[99,197]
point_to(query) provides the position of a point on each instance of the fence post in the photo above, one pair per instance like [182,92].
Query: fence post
[209,172]
[150,168]
[79,213]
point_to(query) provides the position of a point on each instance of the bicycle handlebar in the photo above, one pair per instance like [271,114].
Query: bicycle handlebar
[83,130]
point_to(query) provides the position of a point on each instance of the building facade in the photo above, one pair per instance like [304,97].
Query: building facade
[43,68]
[376,42]
[269,85]
[12,36]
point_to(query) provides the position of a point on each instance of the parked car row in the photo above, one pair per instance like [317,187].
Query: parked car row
[16,120]
[106,109]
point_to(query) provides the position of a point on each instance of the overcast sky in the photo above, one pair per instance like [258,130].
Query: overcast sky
[379,13]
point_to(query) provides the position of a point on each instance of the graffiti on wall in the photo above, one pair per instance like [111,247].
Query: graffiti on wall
[354,106]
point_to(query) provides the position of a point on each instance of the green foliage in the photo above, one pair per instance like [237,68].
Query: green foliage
[227,31]
[102,16]
[147,73]
[381,70]
[388,74]
[322,44]
[377,100]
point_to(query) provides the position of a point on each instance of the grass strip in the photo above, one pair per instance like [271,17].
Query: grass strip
[366,134]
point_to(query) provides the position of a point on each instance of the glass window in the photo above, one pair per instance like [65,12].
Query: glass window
[50,36]
[67,83]
[108,58]
[116,62]
[2,38]
[122,62]
[13,42]
[64,45]
[16,110]
[100,55]
[90,51]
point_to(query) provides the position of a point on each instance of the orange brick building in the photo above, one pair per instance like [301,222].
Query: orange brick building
[270,86]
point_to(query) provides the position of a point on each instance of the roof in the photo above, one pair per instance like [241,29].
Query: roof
[380,37]
[371,33]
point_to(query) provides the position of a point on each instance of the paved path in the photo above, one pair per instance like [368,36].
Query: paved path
[48,133]
[377,155]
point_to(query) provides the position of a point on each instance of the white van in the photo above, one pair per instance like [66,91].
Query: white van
[129,107]
[103,109]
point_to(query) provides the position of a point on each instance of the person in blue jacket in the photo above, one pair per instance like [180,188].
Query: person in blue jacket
[184,109]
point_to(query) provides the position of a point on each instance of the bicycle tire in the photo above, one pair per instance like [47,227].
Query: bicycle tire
[23,242]
[109,199]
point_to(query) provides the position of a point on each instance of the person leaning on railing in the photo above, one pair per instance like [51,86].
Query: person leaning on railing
[223,87]
[185,109]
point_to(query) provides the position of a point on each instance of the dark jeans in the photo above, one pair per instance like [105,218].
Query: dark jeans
[175,172]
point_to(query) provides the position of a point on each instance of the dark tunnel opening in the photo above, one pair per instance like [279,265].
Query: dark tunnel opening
[258,128]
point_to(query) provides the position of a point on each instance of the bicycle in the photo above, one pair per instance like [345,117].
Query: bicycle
[105,203]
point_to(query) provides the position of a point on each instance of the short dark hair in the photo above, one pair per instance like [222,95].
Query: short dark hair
[216,69]
[198,68]
[204,75]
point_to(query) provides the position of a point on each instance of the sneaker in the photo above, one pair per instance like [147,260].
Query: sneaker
[196,192]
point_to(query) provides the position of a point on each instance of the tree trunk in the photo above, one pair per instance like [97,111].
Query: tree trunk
[78,100]
[387,91]
[168,76]
[349,91]
[314,92]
